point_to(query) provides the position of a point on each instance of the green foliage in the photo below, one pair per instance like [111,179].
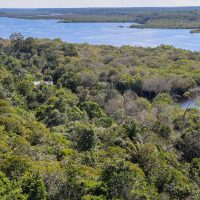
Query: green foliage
[85,137]
[164,176]
[195,170]
[163,129]
[104,121]
[190,145]
[121,179]
[10,190]
[118,180]
[93,109]
[15,166]
[163,98]
[89,197]
[70,80]
[131,129]
[33,186]
[97,122]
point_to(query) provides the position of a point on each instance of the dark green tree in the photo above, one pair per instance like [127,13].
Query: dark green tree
[33,186]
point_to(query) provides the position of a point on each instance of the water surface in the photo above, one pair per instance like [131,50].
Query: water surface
[100,33]
[194,103]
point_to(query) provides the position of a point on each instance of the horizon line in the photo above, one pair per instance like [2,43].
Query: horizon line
[100,7]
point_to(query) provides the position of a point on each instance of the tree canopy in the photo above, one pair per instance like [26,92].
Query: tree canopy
[97,122]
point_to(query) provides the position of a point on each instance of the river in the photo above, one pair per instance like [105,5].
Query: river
[100,33]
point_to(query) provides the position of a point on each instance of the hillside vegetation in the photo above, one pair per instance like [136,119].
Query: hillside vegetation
[97,122]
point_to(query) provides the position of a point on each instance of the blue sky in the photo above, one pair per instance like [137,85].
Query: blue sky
[94,3]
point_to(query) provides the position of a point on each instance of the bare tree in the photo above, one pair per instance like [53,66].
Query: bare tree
[156,85]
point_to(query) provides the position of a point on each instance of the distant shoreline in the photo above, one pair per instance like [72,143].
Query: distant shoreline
[145,17]
[195,31]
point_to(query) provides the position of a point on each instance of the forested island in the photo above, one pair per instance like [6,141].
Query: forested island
[168,24]
[97,122]
[180,17]
[195,31]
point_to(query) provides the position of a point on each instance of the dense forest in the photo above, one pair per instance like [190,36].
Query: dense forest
[97,122]
[180,17]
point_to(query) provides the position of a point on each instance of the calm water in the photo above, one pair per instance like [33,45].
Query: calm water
[100,33]
[190,104]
